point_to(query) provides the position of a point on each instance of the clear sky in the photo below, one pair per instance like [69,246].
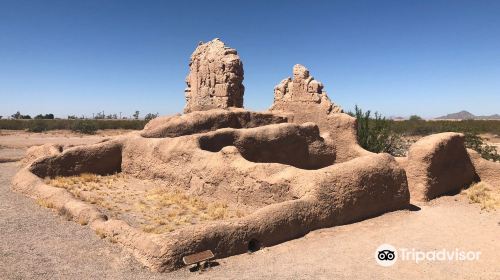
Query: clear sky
[398,57]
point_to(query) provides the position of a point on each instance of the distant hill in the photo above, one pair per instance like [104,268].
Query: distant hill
[492,117]
[464,115]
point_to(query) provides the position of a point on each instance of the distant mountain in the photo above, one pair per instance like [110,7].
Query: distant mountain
[464,115]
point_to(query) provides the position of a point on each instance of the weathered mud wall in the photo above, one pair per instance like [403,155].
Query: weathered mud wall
[215,78]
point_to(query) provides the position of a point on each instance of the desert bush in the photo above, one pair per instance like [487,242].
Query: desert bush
[375,134]
[423,128]
[483,194]
[21,124]
[38,126]
[84,127]
[477,143]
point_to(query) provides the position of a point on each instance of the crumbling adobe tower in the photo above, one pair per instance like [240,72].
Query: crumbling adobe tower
[303,94]
[215,78]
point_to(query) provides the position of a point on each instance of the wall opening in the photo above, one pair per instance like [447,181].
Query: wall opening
[253,245]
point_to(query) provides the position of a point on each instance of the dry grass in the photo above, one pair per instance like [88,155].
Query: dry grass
[84,182]
[182,209]
[44,203]
[153,208]
[483,194]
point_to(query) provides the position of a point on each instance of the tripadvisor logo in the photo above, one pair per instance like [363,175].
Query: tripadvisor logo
[387,255]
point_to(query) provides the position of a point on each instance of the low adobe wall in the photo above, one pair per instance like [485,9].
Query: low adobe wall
[291,201]
[438,164]
[486,170]
[352,191]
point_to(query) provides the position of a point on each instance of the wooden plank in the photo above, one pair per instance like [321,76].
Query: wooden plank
[198,257]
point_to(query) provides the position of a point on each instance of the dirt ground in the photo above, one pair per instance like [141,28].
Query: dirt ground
[36,243]
[20,139]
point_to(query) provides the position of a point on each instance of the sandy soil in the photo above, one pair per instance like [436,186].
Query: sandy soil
[22,139]
[37,243]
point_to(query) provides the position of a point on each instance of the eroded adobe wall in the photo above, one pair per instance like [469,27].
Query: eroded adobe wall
[348,192]
[486,170]
[102,158]
[215,78]
[438,164]
[297,145]
[205,121]
[304,96]
[238,165]
[302,99]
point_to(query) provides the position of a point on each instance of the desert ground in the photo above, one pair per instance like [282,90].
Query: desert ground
[36,243]
[492,139]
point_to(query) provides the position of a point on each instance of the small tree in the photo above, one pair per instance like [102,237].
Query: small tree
[415,118]
[151,116]
[99,116]
[136,115]
[17,115]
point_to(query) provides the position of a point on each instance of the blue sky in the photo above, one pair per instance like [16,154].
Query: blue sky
[397,57]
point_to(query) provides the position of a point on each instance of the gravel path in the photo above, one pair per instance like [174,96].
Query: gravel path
[35,243]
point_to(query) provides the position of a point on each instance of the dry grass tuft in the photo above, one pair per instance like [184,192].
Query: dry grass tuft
[44,203]
[483,194]
[64,213]
[172,209]
[142,204]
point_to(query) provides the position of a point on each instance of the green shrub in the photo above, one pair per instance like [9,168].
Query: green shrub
[86,127]
[375,134]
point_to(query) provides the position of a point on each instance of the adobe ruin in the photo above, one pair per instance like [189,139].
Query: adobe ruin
[215,78]
[295,169]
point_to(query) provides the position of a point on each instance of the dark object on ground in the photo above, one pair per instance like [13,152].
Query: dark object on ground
[198,258]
